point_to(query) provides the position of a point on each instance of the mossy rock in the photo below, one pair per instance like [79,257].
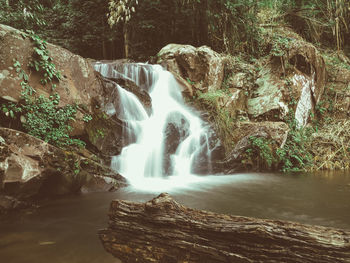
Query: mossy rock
[106,133]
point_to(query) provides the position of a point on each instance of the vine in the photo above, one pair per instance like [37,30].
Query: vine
[42,61]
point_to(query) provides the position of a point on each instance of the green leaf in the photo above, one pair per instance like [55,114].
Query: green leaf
[17,64]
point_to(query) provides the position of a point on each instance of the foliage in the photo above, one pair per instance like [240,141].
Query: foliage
[120,11]
[42,61]
[80,26]
[45,120]
[324,22]
[233,26]
[261,152]
[330,146]
[22,14]
[294,155]
[279,45]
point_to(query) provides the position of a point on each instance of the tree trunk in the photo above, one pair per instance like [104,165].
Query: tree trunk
[162,230]
[126,40]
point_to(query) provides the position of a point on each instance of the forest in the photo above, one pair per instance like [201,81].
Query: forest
[102,29]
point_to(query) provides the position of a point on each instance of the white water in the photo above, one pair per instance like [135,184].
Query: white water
[142,163]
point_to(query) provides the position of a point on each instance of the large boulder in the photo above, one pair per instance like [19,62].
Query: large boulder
[294,81]
[30,167]
[201,67]
[275,131]
[78,82]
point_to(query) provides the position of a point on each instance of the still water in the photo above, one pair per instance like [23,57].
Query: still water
[65,230]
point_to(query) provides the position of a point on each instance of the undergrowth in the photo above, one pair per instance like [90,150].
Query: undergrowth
[294,155]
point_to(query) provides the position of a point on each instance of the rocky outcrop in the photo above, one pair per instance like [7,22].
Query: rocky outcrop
[78,82]
[294,81]
[201,67]
[30,167]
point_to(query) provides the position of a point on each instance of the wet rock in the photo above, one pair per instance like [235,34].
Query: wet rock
[140,74]
[268,97]
[277,131]
[31,167]
[106,133]
[141,94]
[210,155]
[202,67]
[176,131]
[77,85]
[111,74]
[9,203]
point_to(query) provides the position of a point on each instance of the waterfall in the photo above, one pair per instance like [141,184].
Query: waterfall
[170,141]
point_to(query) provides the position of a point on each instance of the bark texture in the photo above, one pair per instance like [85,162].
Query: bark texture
[162,230]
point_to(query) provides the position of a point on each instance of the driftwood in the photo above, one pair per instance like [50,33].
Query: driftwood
[162,230]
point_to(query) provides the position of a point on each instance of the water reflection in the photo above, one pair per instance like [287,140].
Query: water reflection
[65,230]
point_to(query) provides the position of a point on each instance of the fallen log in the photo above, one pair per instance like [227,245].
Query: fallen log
[162,230]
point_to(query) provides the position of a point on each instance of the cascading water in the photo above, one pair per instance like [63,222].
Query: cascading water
[170,141]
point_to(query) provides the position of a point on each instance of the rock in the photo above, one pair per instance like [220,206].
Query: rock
[77,85]
[277,131]
[9,203]
[210,155]
[123,74]
[106,133]
[306,79]
[176,131]
[124,69]
[31,167]
[238,80]
[141,94]
[202,67]
[234,102]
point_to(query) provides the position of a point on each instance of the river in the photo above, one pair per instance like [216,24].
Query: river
[65,230]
